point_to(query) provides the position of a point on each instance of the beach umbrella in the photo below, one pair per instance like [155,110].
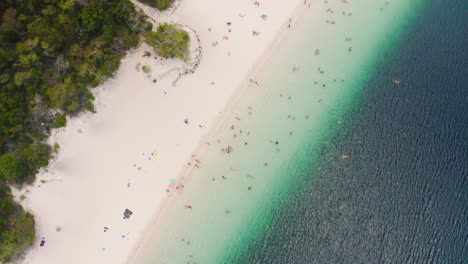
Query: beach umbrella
[171,186]
[173,181]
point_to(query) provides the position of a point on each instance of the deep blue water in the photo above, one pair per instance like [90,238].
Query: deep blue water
[404,198]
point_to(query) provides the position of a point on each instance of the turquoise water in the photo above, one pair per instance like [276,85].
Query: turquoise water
[277,126]
[403,198]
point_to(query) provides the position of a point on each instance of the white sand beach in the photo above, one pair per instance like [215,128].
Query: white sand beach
[144,133]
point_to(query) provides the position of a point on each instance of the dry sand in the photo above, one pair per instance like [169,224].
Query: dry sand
[139,136]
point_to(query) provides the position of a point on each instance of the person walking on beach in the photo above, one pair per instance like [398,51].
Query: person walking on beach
[129,183]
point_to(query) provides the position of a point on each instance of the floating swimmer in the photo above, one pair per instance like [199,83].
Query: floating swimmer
[229,149]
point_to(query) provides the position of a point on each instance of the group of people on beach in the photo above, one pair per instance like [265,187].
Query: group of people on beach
[235,127]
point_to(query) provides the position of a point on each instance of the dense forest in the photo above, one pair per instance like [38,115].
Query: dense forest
[52,52]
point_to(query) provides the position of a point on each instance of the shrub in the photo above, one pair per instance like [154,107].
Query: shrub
[36,156]
[146,69]
[56,147]
[92,17]
[20,236]
[6,207]
[60,121]
[169,42]
[162,4]
[16,227]
[10,167]
[159,4]
[130,40]
[149,27]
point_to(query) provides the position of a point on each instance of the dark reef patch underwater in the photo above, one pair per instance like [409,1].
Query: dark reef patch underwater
[404,197]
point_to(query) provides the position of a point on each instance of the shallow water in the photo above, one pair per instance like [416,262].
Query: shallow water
[293,116]
[403,199]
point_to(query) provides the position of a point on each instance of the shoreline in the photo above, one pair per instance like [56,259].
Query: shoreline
[204,230]
[63,202]
[243,86]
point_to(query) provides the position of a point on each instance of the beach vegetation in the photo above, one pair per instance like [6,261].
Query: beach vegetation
[52,53]
[60,121]
[10,167]
[159,4]
[56,147]
[147,54]
[169,41]
[149,27]
[34,156]
[146,69]
[16,227]
[92,17]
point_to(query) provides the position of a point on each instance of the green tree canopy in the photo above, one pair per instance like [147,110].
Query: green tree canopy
[52,52]
[20,236]
[10,167]
[169,42]
[92,17]
[159,4]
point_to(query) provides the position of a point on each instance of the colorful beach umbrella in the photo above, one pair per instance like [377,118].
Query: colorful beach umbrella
[173,181]
[171,186]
